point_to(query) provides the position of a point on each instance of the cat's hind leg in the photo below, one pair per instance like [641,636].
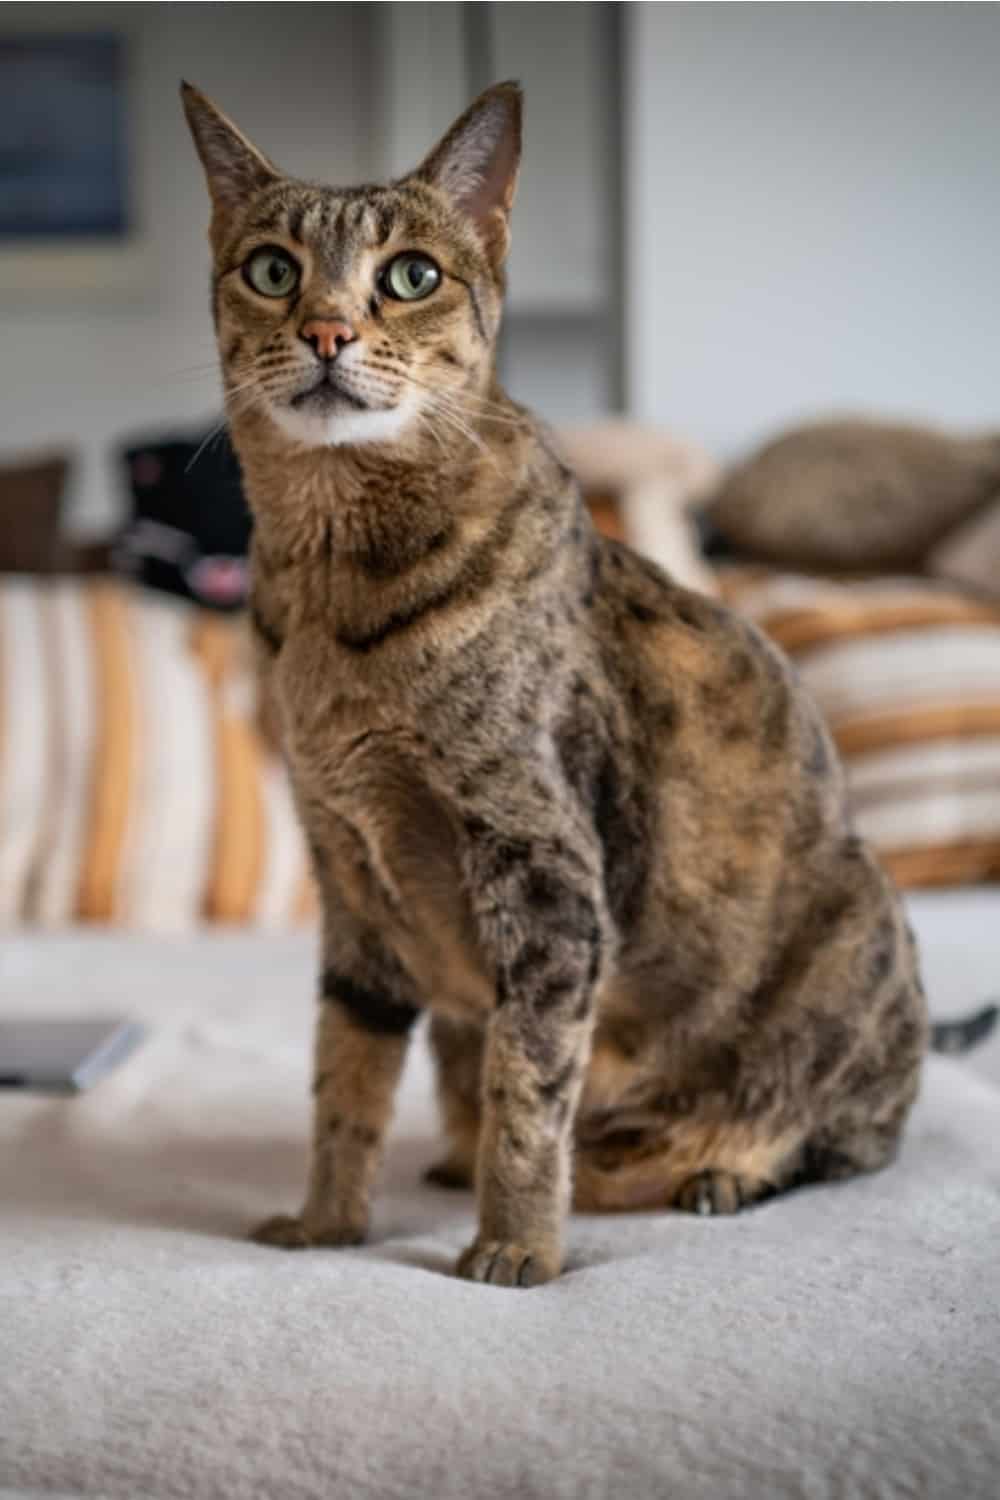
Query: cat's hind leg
[715,1192]
[832,1155]
[702,1167]
[458,1054]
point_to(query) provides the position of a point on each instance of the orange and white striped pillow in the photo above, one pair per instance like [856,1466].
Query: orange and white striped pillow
[907,673]
[134,788]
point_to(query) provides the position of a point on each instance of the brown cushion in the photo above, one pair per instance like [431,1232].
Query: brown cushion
[85,557]
[31,500]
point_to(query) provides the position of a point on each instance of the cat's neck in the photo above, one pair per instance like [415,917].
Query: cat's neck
[352,539]
[375,507]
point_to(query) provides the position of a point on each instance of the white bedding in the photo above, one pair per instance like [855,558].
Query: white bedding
[839,1342]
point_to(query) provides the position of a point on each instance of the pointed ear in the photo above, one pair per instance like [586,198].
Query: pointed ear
[233,166]
[476,163]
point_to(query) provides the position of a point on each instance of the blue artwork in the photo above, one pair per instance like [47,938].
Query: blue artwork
[62,129]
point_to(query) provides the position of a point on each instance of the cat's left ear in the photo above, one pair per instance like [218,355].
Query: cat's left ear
[477,162]
[234,168]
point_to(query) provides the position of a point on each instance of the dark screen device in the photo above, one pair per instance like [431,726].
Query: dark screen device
[65,1055]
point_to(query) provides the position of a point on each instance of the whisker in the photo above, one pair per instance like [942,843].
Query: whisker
[427,422]
[214,433]
[211,366]
[265,384]
[465,401]
[456,423]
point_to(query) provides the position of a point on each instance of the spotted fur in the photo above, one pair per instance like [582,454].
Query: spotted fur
[585,817]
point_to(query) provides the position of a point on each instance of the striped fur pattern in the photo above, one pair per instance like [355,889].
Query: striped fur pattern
[134,788]
[584,816]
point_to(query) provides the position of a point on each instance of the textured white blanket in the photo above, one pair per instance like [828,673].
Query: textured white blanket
[840,1342]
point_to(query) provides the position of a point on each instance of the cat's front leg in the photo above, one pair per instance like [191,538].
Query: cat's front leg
[546,928]
[361,1041]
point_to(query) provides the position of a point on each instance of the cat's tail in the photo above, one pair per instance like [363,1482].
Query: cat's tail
[960,1036]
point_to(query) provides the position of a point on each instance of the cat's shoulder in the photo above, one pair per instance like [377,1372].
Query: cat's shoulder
[645,592]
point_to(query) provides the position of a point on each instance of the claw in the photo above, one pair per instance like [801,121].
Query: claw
[498,1263]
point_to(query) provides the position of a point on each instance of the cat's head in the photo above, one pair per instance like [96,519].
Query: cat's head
[356,315]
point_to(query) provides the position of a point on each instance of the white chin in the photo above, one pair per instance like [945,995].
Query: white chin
[334,429]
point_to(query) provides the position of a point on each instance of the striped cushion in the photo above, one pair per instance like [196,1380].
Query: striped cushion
[134,788]
[908,676]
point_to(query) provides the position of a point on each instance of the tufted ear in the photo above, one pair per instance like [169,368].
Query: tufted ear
[477,162]
[233,166]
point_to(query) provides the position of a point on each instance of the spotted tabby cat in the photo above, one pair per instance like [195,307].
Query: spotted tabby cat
[586,818]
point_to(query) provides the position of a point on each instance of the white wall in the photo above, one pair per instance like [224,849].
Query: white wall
[556,352]
[87,371]
[558,346]
[814,222]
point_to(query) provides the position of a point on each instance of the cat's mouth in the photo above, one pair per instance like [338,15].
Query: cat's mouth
[327,395]
[337,406]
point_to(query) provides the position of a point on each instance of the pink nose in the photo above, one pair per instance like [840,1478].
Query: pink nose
[327,335]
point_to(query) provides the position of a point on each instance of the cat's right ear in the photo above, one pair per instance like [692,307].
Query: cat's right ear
[477,164]
[235,169]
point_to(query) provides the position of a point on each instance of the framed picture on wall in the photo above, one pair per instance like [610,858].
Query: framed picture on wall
[68,221]
[62,138]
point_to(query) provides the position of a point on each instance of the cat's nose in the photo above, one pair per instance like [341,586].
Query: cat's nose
[327,335]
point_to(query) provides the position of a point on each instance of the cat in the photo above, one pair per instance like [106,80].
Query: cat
[854,494]
[584,816]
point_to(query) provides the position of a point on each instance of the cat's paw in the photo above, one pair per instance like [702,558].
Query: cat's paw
[503,1264]
[292,1232]
[712,1192]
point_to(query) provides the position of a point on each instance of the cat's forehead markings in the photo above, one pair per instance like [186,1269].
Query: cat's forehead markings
[298,213]
[354,213]
[366,223]
[383,219]
[341,227]
[332,242]
[271,212]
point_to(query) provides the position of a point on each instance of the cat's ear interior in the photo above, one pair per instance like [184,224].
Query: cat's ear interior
[477,162]
[234,167]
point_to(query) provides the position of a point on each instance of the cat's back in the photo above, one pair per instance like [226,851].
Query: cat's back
[727,685]
[742,773]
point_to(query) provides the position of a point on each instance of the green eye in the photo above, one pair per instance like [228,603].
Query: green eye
[272,272]
[410,277]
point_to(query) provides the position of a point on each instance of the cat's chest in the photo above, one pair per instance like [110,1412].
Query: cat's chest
[387,843]
[352,752]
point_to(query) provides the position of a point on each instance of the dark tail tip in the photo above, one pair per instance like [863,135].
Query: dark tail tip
[959,1036]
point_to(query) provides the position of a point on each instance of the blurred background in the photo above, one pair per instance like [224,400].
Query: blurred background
[754,287]
[732,220]
[730,216]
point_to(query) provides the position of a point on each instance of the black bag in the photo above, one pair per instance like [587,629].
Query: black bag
[189,532]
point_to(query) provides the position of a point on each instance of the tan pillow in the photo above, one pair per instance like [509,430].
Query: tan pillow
[970,555]
[854,495]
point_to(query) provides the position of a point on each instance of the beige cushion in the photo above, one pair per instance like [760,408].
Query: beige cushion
[656,480]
